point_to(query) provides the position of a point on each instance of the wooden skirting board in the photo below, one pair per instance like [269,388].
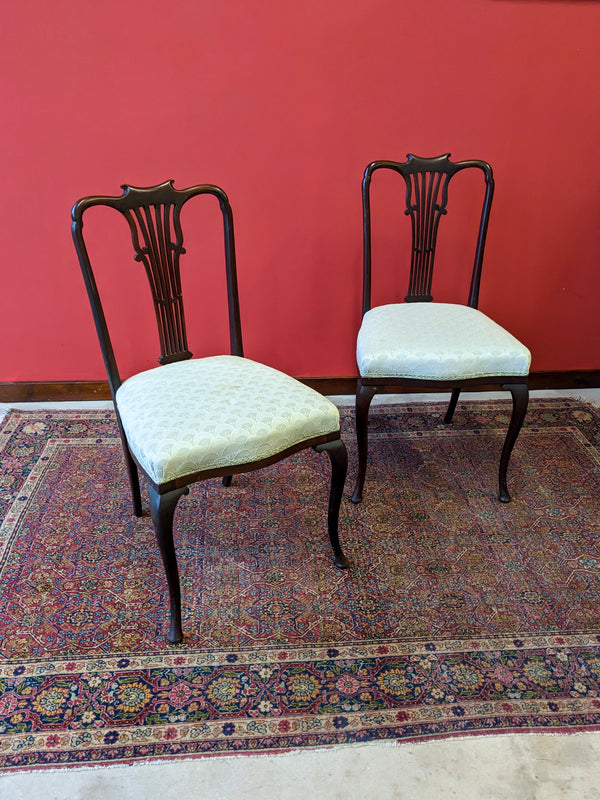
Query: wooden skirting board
[52,391]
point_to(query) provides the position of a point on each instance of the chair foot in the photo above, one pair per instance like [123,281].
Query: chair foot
[338,456]
[175,635]
[357,495]
[162,508]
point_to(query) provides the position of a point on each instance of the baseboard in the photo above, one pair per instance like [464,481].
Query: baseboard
[583,379]
[54,391]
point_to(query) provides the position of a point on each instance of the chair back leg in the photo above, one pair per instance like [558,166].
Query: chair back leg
[452,405]
[132,472]
[520,398]
[364,395]
[162,508]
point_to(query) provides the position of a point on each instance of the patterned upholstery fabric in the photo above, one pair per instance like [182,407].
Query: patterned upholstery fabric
[436,341]
[215,412]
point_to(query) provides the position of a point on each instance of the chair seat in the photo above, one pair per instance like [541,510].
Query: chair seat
[436,341]
[210,413]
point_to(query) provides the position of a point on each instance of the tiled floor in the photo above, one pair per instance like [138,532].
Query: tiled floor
[506,767]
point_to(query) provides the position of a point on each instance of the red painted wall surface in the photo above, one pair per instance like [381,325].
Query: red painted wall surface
[283,104]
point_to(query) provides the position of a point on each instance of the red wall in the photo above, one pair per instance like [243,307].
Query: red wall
[283,104]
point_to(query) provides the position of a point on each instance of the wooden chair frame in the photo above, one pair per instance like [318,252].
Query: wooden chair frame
[427,181]
[153,215]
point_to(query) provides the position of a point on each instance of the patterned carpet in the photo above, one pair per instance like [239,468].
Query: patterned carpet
[459,614]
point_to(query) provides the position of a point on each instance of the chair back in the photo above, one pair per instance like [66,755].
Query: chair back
[154,218]
[427,181]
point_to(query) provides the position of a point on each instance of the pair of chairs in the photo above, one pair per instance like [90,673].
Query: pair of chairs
[191,419]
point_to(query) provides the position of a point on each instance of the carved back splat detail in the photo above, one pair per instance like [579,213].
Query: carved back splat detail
[426,201]
[158,242]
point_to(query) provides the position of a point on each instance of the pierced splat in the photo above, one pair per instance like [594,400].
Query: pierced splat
[426,201]
[158,243]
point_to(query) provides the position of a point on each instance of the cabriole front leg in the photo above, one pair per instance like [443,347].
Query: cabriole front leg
[520,398]
[338,456]
[162,508]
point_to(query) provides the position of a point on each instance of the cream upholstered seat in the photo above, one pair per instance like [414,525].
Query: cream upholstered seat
[210,413]
[422,344]
[192,419]
[436,342]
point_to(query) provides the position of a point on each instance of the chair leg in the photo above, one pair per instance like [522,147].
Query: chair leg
[452,405]
[132,470]
[338,456]
[364,395]
[227,480]
[162,508]
[520,397]
[134,483]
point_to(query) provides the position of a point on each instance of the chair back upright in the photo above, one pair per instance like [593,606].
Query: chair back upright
[427,181]
[154,218]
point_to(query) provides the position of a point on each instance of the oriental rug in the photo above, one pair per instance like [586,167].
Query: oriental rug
[459,614]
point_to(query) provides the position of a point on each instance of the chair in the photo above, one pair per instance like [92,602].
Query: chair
[424,344]
[191,419]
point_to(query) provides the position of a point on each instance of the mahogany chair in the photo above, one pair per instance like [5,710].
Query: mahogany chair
[424,344]
[196,418]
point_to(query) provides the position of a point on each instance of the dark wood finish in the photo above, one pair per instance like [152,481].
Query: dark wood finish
[452,406]
[83,391]
[364,395]
[426,199]
[153,215]
[162,509]
[339,467]
[520,397]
